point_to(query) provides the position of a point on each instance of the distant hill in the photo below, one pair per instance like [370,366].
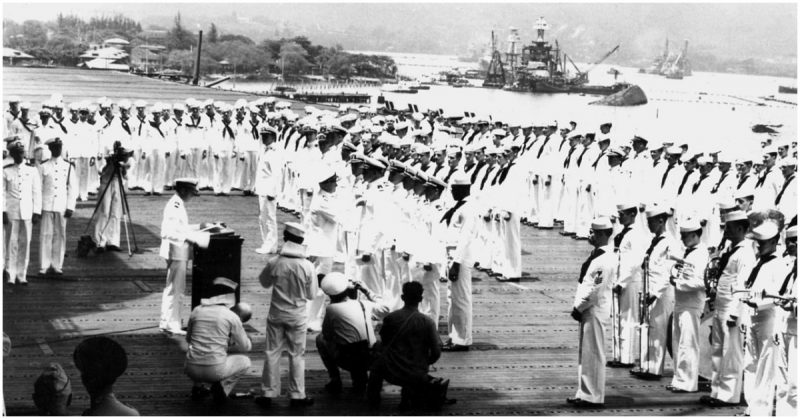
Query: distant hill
[719,34]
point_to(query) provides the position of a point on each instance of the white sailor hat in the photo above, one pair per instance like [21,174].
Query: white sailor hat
[349,117]
[788,162]
[689,225]
[225,282]
[438,146]
[744,193]
[178,106]
[744,159]
[418,116]
[104,102]
[400,125]
[726,205]
[267,129]
[334,283]
[626,205]
[326,174]
[791,232]
[283,105]
[295,229]
[602,223]
[268,99]
[420,148]
[13,99]
[655,210]
[14,142]
[139,104]
[124,104]
[363,109]
[44,111]
[460,178]
[57,104]
[208,102]
[405,141]
[240,103]
[57,97]
[253,109]
[766,231]
[343,108]
[724,157]
[52,140]
[92,108]
[25,105]
[616,152]
[769,150]
[156,108]
[494,150]
[737,215]
[186,181]
[674,150]
[499,132]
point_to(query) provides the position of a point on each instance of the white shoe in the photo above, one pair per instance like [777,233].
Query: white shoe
[262,250]
[177,332]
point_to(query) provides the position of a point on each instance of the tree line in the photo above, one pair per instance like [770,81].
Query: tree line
[63,40]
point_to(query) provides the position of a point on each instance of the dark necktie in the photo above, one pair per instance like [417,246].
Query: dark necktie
[688,251]
[141,124]
[285,137]
[649,251]
[544,144]
[497,175]
[725,258]
[467,167]
[475,173]
[448,216]
[450,173]
[178,122]
[594,165]
[699,181]
[438,168]
[486,177]
[789,281]
[157,127]
[25,124]
[125,126]
[683,182]
[754,273]
[108,123]
[785,185]
[666,172]
[655,163]
[254,130]
[585,267]
[762,179]
[60,123]
[742,181]
[560,146]
[569,155]
[721,178]
[227,130]
[618,238]
[580,158]
[505,173]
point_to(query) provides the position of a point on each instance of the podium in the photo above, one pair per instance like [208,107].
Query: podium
[222,257]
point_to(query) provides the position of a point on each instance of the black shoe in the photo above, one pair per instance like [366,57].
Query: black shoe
[704,386]
[157,193]
[572,400]
[99,249]
[218,393]
[583,404]
[334,387]
[112,248]
[712,402]
[674,389]
[455,348]
[647,376]
[199,393]
[265,402]
[308,401]
[617,364]
[504,279]
[148,193]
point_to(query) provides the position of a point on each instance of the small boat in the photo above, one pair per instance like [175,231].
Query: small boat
[462,82]
[397,88]
[787,89]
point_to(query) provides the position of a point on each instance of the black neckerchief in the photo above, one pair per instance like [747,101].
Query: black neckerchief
[754,273]
[726,257]
[467,167]
[141,123]
[569,155]
[685,178]
[650,249]
[254,130]
[580,158]
[602,153]
[618,238]
[227,129]
[783,189]
[505,173]
[109,121]
[585,267]
[178,122]
[763,179]
[721,178]
[486,176]
[789,280]
[157,127]
[742,181]
[438,168]
[450,173]
[24,123]
[448,216]
[666,172]
[124,123]
[699,181]
[477,169]
[544,144]
[60,123]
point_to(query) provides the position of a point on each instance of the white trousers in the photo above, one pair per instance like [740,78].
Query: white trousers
[247,170]
[18,249]
[107,223]
[226,373]
[431,298]
[686,347]
[583,218]
[786,404]
[546,203]
[533,215]
[592,360]
[172,169]
[223,172]
[372,272]
[172,297]
[726,361]
[629,320]
[154,172]
[570,207]
[268,222]
[653,351]
[316,308]
[285,335]
[81,170]
[761,353]
[394,278]
[459,320]
[52,237]
[136,169]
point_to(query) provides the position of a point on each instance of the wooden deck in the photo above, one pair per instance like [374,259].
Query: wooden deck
[523,361]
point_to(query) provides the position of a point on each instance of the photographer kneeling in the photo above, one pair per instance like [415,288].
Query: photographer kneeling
[215,326]
[347,331]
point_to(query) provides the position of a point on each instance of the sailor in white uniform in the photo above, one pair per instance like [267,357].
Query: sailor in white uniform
[22,197]
[59,193]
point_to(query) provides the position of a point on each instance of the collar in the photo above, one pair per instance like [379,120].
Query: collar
[228,300]
[293,250]
[608,248]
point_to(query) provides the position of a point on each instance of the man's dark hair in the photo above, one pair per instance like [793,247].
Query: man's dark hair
[743,224]
[289,237]
[412,292]
[101,361]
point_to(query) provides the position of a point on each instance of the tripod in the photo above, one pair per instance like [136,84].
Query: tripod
[116,176]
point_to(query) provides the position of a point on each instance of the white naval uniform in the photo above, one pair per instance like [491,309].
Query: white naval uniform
[175,233]
[194,145]
[632,246]
[569,200]
[586,180]
[322,228]
[761,351]
[786,200]
[786,403]
[545,193]
[154,146]
[59,192]
[139,138]
[768,185]
[593,301]
[267,188]
[173,130]
[248,143]
[689,303]
[222,143]
[726,341]
[657,268]
[462,248]
[433,254]
[22,198]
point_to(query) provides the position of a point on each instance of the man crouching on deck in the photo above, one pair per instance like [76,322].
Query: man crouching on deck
[591,309]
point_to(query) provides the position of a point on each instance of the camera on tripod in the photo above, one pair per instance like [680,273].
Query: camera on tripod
[120,154]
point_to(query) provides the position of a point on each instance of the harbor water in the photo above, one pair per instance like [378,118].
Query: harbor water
[707,110]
